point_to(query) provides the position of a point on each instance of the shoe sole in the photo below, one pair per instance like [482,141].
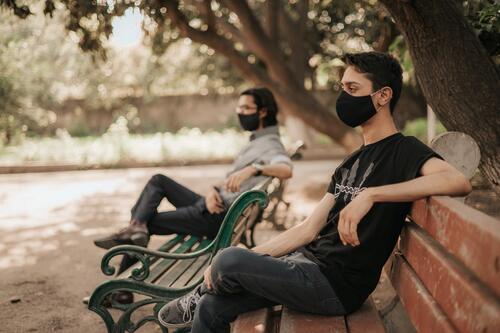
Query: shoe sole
[108,244]
[139,239]
[168,325]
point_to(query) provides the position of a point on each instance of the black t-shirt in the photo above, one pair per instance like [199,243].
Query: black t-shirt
[353,272]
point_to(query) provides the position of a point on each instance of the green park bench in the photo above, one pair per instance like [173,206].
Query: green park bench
[176,267]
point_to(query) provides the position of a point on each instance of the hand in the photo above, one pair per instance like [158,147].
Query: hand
[214,202]
[234,180]
[351,215]
[207,277]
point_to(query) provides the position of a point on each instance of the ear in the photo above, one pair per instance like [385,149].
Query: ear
[385,96]
[262,113]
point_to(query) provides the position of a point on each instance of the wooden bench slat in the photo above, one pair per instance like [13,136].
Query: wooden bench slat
[365,320]
[462,297]
[258,321]
[239,229]
[244,223]
[298,322]
[468,234]
[423,310]
[165,264]
[171,243]
[181,266]
[194,271]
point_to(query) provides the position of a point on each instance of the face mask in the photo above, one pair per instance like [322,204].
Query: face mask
[249,122]
[355,110]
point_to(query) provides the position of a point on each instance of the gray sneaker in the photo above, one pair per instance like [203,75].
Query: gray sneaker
[134,234]
[179,313]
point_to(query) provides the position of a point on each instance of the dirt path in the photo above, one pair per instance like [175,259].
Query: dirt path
[48,221]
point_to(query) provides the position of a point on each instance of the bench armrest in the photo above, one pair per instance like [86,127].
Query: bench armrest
[145,255]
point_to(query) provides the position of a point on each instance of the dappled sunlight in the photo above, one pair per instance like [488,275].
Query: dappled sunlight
[48,201]
[45,214]
[41,213]
[39,233]
[25,253]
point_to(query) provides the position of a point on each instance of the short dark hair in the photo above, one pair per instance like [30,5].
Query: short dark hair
[382,69]
[264,98]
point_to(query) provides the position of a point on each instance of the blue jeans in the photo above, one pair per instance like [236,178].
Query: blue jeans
[244,281]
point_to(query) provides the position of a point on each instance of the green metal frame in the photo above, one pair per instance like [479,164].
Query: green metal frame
[156,294]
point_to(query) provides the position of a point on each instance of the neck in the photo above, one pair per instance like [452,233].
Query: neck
[379,127]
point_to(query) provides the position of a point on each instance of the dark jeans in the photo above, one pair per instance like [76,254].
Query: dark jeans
[190,217]
[244,281]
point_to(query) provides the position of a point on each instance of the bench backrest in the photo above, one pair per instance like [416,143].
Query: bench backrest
[446,269]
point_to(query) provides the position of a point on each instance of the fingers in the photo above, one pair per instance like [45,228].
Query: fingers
[218,198]
[347,228]
[229,183]
[341,227]
[207,277]
[218,209]
[218,203]
[353,234]
[236,184]
[213,205]
[233,183]
[214,208]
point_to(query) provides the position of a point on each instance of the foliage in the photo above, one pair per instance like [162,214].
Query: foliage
[332,28]
[484,16]
[41,65]
[418,128]
[117,145]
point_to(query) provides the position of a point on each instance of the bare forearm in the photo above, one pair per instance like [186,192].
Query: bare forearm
[442,183]
[286,242]
[282,171]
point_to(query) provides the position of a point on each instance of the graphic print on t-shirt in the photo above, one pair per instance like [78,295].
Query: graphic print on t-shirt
[347,186]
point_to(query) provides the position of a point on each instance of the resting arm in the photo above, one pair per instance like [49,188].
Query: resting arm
[234,181]
[301,234]
[279,170]
[437,178]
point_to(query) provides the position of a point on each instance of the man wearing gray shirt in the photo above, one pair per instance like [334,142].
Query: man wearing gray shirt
[264,156]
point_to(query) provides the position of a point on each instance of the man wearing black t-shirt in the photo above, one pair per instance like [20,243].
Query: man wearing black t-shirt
[331,262]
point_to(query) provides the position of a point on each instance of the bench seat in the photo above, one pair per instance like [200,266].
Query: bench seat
[284,320]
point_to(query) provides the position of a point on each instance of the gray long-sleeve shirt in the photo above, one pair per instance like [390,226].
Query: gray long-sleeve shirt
[265,148]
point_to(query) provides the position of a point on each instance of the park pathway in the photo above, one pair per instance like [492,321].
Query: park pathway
[48,220]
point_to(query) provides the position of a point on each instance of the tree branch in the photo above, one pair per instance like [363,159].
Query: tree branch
[272,12]
[218,24]
[209,14]
[259,43]
[218,43]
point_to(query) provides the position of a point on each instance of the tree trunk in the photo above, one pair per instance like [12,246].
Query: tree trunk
[291,95]
[458,79]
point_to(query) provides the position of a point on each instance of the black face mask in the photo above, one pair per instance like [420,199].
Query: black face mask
[355,110]
[249,122]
